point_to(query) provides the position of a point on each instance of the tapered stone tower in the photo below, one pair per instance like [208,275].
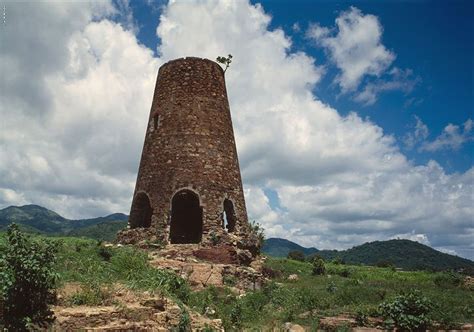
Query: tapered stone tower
[189,188]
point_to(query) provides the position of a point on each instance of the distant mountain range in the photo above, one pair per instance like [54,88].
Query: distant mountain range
[406,254]
[37,219]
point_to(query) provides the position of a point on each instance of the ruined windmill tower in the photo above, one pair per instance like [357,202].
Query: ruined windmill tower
[189,188]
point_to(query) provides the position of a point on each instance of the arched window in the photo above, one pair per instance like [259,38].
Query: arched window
[186,218]
[229,219]
[140,215]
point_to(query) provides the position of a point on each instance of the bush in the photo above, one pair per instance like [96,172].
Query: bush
[104,253]
[28,281]
[271,273]
[385,263]
[448,279]
[257,232]
[408,311]
[318,267]
[338,260]
[296,255]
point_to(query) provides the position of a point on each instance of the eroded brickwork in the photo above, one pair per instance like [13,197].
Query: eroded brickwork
[189,147]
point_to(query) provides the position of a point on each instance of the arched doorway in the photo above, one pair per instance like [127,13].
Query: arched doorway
[186,218]
[229,216]
[141,211]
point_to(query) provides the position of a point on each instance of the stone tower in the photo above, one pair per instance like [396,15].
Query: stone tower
[189,188]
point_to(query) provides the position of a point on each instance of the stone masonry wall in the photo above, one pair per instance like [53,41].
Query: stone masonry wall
[193,148]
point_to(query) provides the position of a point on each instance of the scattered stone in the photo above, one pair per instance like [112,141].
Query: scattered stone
[291,327]
[155,303]
[293,277]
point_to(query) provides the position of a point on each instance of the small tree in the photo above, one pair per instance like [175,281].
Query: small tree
[225,61]
[296,255]
[28,281]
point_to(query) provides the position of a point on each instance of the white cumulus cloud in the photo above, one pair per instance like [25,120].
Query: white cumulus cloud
[355,46]
[452,137]
[72,142]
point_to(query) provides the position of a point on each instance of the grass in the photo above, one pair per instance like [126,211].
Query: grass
[97,268]
[357,290]
[348,289]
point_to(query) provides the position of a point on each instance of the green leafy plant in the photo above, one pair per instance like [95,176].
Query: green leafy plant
[408,311]
[225,61]
[28,281]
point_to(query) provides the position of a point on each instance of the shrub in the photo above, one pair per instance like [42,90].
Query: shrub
[345,273]
[448,279]
[296,255]
[331,288]
[236,315]
[257,233]
[338,260]
[104,253]
[318,267]
[271,273]
[229,280]
[408,311]
[384,263]
[28,281]
[362,318]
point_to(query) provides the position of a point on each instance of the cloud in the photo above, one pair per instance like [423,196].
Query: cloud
[452,137]
[355,47]
[72,140]
[419,134]
[400,80]
[72,110]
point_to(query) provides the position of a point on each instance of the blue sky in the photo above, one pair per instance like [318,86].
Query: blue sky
[432,38]
[353,120]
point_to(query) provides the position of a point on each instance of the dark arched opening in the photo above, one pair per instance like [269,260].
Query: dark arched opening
[186,218]
[140,214]
[229,216]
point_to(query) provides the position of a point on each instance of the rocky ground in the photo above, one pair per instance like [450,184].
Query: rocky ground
[143,311]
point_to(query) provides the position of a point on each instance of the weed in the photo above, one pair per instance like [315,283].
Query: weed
[215,238]
[91,294]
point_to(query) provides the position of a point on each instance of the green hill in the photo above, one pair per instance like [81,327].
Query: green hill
[37,219]
[277,247]
[104,231]
[405,254]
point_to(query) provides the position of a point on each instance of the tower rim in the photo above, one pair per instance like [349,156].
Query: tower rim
[214,63]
